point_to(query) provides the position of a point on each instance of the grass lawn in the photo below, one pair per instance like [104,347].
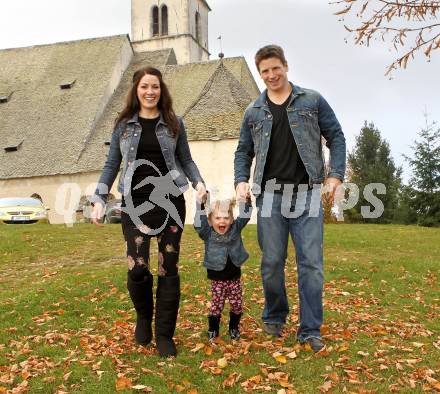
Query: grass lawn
[66,320]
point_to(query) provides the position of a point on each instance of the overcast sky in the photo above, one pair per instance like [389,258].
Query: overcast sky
[351,78]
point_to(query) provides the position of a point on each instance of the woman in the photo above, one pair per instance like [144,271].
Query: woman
[151,142]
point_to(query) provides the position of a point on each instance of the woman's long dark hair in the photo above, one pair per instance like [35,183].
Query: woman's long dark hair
[165,104]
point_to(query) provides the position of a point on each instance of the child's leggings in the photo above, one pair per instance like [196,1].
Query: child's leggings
[223,290]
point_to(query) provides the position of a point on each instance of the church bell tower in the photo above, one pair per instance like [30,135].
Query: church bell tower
[178,24]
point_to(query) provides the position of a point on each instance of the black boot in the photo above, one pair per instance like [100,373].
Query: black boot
[141,293]
[167,307]
[234,323]
[214,327]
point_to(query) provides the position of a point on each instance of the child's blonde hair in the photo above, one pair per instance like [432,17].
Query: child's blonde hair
[226,204]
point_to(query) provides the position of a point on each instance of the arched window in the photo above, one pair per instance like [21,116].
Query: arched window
[198,35]
[164,20]
[155,21]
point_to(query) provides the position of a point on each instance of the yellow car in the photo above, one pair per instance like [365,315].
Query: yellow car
[22,210]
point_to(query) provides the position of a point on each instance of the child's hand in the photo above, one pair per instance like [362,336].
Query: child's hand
[97,214]
[201,193]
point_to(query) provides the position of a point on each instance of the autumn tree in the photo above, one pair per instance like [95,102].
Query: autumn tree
[424,195]
[371,162]
[411,26]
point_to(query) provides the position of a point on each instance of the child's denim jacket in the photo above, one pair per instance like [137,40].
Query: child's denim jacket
[219,246]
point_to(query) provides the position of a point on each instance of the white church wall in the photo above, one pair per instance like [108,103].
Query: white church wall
[215,160]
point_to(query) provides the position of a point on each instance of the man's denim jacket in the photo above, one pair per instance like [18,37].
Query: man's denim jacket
[219,246]
[310,117]
[123,149]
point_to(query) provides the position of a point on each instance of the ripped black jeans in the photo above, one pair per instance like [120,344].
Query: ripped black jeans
[138,248]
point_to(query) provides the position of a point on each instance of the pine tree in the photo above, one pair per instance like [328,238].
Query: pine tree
[425,182]
[371,162]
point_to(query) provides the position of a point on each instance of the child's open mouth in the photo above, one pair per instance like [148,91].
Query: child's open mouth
[222,228]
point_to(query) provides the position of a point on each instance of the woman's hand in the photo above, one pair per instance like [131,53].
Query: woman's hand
[97,214]
[201,194]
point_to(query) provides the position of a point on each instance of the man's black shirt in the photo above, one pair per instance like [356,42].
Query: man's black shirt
[283,161]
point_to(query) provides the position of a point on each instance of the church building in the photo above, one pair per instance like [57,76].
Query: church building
[58,103]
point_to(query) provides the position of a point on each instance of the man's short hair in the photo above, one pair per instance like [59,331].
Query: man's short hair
[267,52]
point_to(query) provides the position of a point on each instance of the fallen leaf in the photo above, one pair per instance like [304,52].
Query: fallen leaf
[186,383]
[208,350]
[256,379]
[325,387]
[66,376]
[222,362]
[285,384]
[142,387]
[99,373]
[198,347]
[215,371]
[433,382]
[342,347]
[291,355]
[231,380]
[123,383]
[281,359]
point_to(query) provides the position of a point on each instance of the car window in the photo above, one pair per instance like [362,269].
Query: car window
[19,201]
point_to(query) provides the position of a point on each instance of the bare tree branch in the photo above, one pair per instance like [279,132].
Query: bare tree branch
[411,27]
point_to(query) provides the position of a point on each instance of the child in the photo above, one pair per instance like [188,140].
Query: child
[224,254]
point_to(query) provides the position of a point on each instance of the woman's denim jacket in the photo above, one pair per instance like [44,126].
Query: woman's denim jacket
[219,246]
[310,118]
[123,149]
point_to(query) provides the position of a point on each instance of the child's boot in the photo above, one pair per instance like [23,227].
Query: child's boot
[214,327]
[234,323]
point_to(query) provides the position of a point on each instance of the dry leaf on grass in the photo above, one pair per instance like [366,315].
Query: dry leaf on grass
[123,383]
[231,380]
[325,387]
[198,347]
[208,350]
[142,387]
[222,362]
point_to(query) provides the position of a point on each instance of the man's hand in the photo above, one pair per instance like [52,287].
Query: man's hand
[243,191]
[330,186]
[97,214]
[201,194]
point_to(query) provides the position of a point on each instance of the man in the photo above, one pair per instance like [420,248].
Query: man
[282,128]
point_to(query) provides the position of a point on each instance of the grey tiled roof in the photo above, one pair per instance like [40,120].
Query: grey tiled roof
[211,96]
[58,127]
[51,122]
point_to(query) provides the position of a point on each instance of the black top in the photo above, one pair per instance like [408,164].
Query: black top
[230,272]
[283,161]
[149,149]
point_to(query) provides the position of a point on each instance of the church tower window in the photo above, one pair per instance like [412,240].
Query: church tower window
[164,20]
[198,34]
[155,21]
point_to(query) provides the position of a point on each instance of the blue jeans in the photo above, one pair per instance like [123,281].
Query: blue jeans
[277,217]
